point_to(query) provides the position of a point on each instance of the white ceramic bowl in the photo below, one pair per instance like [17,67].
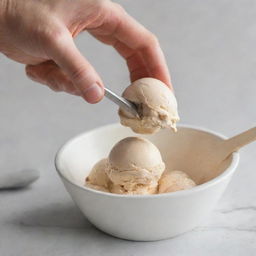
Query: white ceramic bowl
[145,217]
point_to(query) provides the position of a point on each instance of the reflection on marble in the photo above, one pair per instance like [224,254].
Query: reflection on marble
[210,48]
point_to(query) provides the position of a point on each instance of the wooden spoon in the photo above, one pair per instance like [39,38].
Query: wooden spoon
[233,144]
[219,152]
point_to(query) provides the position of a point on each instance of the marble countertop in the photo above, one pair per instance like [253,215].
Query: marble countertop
[210,49]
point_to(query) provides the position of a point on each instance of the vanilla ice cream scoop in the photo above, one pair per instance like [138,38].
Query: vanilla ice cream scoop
[98,178]
[157,106]
[135,165]
[136,190]
[172,181]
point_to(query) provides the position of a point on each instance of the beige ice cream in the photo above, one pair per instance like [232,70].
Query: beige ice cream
[98,178]
[156,103]
[138,190]
[172,181]
[135,166]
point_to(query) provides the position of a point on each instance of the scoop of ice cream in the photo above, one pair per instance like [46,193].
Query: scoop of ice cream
[135,164]
[156,103]
[98,178]
[172,181]
[136,190]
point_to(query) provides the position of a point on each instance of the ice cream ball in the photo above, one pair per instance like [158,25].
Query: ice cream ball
[139,189]
[172,181]
[98,179]
[134,162]
[157,106]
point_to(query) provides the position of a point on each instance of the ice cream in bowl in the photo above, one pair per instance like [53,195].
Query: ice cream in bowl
[145,181]
[145,187]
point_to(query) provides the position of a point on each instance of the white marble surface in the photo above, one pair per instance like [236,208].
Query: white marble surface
[210,47]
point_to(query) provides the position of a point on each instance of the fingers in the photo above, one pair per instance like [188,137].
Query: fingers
[50,74]
[135,43]
[80,72]
[135,62]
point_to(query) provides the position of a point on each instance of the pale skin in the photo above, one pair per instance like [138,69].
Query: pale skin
[39,34]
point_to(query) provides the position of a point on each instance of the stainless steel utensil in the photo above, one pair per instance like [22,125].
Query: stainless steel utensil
[122,102]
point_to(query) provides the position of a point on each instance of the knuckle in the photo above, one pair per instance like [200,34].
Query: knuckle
[101,3]
[51,35]
[152,40]
[54,87]
[100,6]
[149,41]
[53,84]
[119,7]
[105,7]
[79,75]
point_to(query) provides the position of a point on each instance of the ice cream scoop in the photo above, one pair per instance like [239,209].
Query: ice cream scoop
[172,181]
[136,190]
[121,102]
[156,105]
[98,178]
[135,165]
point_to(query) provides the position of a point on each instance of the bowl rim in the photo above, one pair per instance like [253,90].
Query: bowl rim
[224,175]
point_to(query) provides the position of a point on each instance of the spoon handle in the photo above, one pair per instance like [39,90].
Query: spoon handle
[121,102]
[235,143]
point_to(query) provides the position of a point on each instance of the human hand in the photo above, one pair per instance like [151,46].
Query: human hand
[39,33]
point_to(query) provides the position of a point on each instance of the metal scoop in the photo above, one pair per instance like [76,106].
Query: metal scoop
[122,102]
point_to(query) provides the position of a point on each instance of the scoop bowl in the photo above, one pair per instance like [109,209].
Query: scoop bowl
[146,217]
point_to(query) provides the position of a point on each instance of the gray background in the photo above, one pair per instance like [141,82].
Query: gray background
[210,49]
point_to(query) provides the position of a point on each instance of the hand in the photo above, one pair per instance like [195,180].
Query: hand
[39,33]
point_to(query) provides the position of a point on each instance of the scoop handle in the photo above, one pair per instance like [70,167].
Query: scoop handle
[235,143]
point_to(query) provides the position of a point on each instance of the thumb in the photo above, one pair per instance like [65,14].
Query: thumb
[63,51]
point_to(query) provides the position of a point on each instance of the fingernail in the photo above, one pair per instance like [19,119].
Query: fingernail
[94,93]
